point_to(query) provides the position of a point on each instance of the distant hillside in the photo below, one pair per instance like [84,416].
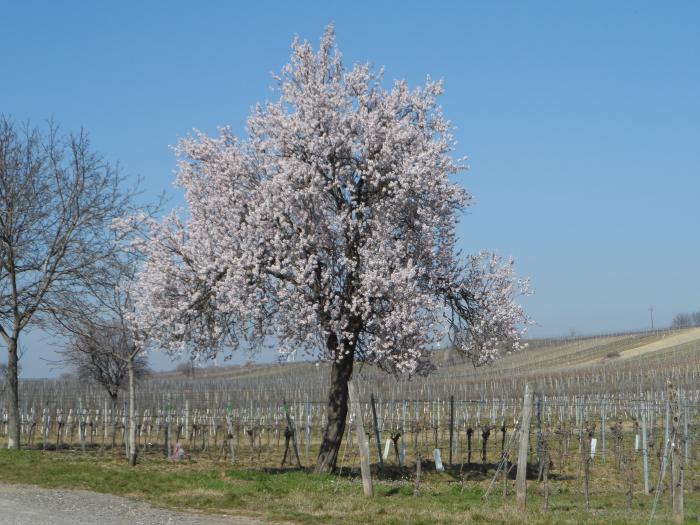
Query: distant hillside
[624,364]
[559,357]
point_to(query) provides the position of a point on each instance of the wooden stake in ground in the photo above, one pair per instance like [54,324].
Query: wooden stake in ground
[452,426]
[677,466]
[362,441]
[587,457]
[187,418]
[545,471]
[105,426]
[521,476]
[645,449]
[168,433]
[377,437]
[45,428]
[416,487]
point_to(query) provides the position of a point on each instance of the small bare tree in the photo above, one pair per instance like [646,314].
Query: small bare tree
[58,200]
[105,343]
[101,354]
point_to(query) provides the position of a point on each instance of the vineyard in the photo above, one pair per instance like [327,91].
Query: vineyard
[604,418]
[377,232]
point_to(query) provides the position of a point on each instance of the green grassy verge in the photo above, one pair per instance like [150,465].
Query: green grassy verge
[302,497]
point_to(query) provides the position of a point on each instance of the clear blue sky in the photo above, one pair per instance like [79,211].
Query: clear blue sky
[581,120]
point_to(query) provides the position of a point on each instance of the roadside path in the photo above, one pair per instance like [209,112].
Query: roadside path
[667,342]
[28,505]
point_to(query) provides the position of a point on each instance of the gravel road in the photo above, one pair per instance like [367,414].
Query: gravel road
[24,505]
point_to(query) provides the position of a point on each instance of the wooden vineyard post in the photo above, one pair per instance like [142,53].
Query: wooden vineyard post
[307,433]
[651,421]
[416,486]
[686,436]
[539,436]
[362,441]
[452,426]
[677,467]
[168,433]
[645,449]
[602,431]
[376,435]
[105,429]
[125,426]
[521,476]
[587,456]
[667,423]
[45,427]
[545,473]
[187,419]
[232,439]
[81,425]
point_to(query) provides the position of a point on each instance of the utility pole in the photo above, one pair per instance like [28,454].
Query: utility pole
[651,315]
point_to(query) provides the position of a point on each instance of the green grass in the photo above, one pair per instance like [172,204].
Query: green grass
[295,496]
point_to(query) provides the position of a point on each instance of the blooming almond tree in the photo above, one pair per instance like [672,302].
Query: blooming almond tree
[329,230]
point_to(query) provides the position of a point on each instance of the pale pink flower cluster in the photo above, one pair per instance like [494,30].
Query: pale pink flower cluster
[329,230]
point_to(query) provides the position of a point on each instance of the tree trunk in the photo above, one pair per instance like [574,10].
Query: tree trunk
[132,416]
[14,427]
[362,441]
[337,411]
[113,418]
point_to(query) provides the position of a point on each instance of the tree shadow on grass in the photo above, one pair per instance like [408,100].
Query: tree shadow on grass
[455,472]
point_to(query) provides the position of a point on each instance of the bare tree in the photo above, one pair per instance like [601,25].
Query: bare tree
[682,321]
[101,354]
[58,200]
[104,342]
[106,347]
